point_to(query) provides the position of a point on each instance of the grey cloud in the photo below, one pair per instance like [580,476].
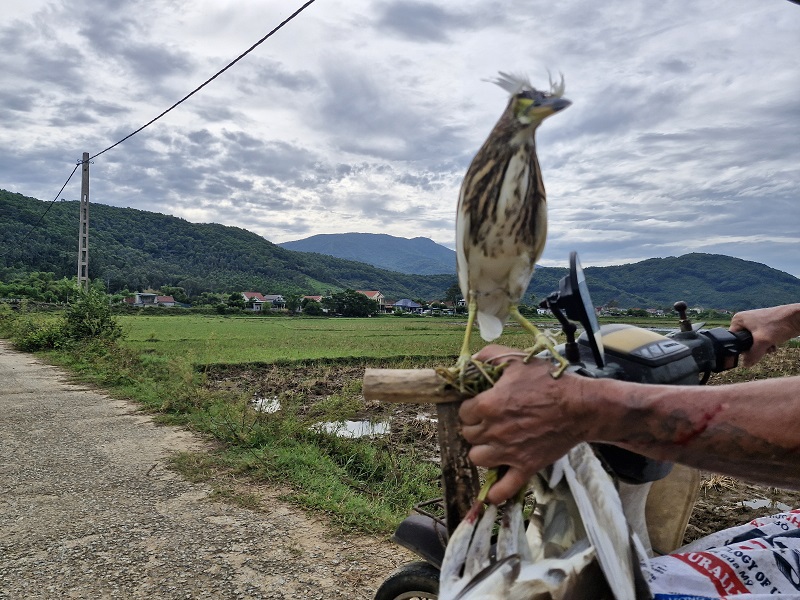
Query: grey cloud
[675,65]
[215,113]
[85,111]
[114,38]
[33,54]
[424,21]
[366,118]
[271,73]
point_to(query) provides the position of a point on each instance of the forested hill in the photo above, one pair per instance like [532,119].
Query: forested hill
[136,250]
[418,255]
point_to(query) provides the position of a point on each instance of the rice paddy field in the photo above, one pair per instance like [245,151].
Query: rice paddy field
[243,340]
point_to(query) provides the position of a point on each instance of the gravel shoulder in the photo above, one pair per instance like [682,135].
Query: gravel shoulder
[89,509]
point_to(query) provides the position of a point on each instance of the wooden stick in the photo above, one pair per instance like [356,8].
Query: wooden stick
[412,386]
[460,482]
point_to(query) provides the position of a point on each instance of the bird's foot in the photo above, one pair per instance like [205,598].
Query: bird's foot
[544,341]
[469,376]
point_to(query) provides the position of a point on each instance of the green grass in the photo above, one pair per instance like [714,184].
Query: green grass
[236,340]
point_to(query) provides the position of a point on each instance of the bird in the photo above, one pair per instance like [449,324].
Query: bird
[578,543]
[501,219]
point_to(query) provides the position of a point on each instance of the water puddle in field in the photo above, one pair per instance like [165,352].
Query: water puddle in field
[764,503]
[267,405]
[354,429]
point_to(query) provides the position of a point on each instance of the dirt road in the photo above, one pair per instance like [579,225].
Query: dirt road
[88,509]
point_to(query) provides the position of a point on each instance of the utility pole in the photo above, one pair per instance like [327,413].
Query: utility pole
[83,232]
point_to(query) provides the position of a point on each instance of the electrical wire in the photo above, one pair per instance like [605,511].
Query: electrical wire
[212,78]
[49,206]
[178,103]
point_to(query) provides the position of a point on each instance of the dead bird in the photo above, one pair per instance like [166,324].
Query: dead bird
[577,544]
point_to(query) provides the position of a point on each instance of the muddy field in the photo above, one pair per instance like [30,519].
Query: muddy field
[722,501]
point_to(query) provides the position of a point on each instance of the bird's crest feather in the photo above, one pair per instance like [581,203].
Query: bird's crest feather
[514,84]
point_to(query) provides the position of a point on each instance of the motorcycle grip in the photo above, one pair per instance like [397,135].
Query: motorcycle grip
[744,340]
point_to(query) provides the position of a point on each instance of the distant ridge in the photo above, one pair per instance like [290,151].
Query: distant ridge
[135,250]
[418,255]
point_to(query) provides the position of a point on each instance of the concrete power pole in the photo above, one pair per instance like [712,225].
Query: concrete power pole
[83,232]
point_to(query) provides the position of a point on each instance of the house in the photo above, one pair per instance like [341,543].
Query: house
[254,301]
[276,301]
[377,297]
[313,298]
[257,302]
[407,305]
[143,299]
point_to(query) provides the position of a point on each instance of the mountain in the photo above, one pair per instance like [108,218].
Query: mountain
[709,280]
[419,255]
[135,250]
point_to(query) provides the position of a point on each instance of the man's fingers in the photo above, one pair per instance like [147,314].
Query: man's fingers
[484,455]
[507,486]
[468,413]
[472,433]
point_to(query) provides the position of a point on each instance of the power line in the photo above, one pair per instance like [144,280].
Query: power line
[179,102]
[49,206]
[212,78]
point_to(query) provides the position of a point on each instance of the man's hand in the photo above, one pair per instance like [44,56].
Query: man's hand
[523,422]
[770,328]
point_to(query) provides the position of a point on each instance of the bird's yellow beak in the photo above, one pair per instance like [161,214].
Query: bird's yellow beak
[541,109]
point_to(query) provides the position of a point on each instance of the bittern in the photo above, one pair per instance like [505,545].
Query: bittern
[501,221]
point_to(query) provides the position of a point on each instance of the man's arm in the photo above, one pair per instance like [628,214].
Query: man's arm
[528,420]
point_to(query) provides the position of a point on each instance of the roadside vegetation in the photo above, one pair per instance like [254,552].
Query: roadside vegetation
[270,393]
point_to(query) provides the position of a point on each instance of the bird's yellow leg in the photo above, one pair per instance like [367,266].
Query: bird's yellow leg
[465,355]
[540,342]
[492,475]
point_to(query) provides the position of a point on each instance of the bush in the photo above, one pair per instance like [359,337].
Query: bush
[89,317]
[313,309]
[32,333]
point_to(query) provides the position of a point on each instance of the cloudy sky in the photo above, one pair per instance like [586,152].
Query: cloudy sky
[363,115]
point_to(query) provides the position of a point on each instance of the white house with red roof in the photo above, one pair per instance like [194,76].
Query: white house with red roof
[256,301]
[141,299]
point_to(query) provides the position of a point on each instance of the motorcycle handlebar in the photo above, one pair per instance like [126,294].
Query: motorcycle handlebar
[744,340]
[727,346]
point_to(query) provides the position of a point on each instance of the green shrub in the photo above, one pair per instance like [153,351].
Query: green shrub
[33,332]
[89,317]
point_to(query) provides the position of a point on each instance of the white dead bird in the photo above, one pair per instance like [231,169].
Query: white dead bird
[578,543]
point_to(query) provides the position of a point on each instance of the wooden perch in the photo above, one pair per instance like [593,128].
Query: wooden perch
[411,386]
[460,481]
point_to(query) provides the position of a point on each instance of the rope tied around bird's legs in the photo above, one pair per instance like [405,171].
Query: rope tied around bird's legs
[460,481]
[442,386]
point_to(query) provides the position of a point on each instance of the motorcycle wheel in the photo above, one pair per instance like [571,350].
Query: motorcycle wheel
[416,580]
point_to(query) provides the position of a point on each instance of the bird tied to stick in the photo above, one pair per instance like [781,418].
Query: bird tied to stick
[501,219]
[578,542]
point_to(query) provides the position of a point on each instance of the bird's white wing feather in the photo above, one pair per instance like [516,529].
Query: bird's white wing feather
[603,518]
